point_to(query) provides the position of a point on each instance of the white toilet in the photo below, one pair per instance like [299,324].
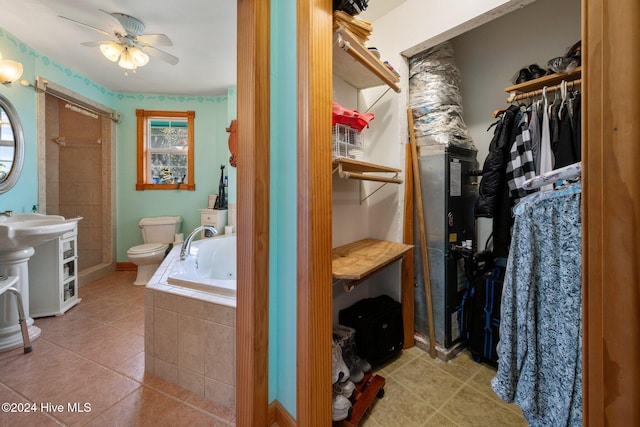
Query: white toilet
[157,234]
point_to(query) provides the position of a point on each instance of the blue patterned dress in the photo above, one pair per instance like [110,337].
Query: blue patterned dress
[540,349]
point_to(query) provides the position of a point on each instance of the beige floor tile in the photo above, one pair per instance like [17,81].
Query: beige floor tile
[481,381]
[462,366]
[439,420]
[427,381]
[400,407]
[143,407]
[472,408]
[406,356]
[367,421]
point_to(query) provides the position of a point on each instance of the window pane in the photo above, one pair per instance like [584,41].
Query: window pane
[168,168]
[165,134]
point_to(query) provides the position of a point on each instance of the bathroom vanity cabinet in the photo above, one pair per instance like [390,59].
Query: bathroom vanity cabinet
[53,276]
[215,217]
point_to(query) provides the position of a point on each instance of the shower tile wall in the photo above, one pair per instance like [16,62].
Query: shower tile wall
[74,175]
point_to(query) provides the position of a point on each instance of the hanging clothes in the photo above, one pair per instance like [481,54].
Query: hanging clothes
[565,152]
[540,348]
[534,130]
[576,118]
[493,191]
[546,155]
[494,165]
[520,166]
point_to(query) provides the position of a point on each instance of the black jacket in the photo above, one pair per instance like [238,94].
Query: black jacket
[493,192]
[495,165]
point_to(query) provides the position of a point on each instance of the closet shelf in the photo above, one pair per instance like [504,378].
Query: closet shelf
[356,169]
[356,65]
[357,260]
[549,80]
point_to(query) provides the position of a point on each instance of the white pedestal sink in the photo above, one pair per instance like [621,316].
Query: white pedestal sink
[19,233]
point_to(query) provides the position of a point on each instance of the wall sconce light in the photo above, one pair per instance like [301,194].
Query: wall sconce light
[10,71]
[128,57]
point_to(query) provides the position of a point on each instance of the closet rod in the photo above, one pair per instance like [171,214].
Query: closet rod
[538,92]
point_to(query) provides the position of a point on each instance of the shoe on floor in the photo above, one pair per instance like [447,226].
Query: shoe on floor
[345,388]
[339,369]
[341,407]
[357,366]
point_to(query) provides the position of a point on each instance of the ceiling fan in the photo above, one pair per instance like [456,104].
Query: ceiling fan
[128,46]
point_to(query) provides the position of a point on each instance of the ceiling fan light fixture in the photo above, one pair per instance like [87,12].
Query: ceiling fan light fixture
[111,51]
[126,61]
[138,56]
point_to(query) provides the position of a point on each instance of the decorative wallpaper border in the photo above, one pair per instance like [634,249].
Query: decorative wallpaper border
[69,73]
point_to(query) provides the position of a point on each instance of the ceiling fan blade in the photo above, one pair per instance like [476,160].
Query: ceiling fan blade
[87,25]
[160,54]
[154,39]
[97,43]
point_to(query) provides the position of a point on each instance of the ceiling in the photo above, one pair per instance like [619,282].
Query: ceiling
[203,33]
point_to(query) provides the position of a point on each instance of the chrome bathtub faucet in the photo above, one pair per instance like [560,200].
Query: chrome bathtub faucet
[186,245]
[6,213]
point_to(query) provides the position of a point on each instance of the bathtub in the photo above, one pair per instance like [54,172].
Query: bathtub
[190,319]
[210,266]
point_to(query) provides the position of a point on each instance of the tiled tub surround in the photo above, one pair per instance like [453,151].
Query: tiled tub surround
[190,336]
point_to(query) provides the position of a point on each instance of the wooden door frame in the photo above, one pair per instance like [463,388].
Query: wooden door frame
[314,229]
[611,212]
[252,311]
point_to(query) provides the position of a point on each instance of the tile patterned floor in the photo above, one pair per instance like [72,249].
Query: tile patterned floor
[425,392]
[94,354]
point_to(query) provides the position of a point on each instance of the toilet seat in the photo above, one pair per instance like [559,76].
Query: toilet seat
[147,248]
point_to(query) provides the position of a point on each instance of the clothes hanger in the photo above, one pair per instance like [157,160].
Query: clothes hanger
[563,97]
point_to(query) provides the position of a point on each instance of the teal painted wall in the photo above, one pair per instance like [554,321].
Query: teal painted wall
[210,152]
[25,193]
[283,212]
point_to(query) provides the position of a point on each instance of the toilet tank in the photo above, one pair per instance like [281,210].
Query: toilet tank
[160,229]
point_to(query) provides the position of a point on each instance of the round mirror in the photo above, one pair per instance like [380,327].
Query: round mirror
[11,145]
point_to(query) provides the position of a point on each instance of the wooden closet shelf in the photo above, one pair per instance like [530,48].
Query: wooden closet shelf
[549,80]
[356,65]
[356,169]
[359,259]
